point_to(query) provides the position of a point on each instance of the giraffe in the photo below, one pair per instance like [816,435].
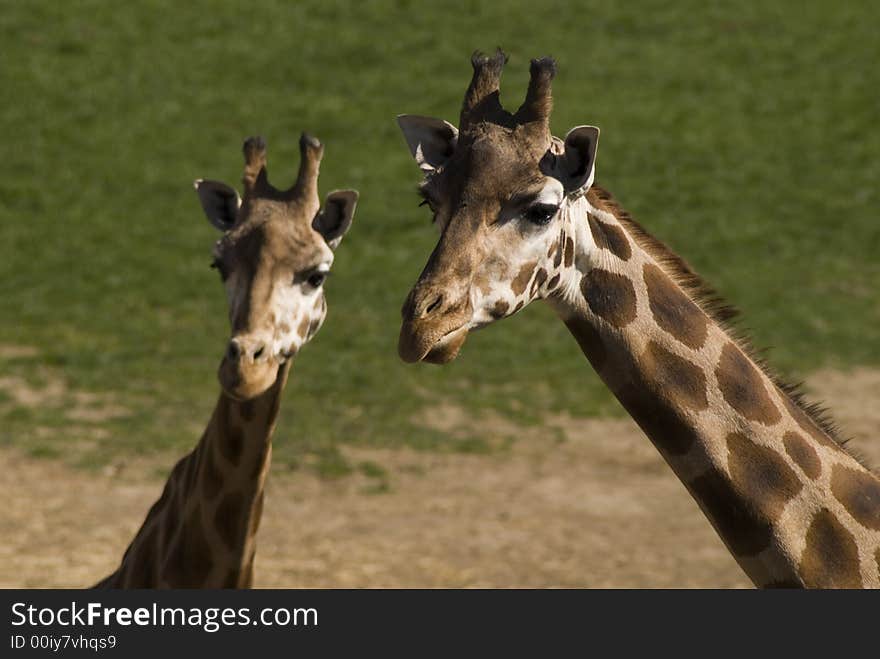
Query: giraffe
[520,220]
[273,257]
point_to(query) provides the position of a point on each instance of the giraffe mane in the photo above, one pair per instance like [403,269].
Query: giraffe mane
[724,314]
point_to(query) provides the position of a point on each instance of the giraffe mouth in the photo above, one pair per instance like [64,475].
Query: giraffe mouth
[448,347]
[421,346]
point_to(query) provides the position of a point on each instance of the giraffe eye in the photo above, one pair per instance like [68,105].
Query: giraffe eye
[316,279]
[540,214]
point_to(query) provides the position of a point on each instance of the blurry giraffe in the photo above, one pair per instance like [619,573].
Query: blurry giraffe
[275,252]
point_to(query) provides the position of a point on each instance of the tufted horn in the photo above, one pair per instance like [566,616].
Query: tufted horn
[482,94]
[255,178]
[539,98]
[310,153]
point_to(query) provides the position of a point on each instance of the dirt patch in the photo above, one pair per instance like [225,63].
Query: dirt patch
[24,394]
[50,390]
[578,503]
[12,351]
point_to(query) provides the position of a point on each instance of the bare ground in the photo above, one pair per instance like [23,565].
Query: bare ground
[599,509]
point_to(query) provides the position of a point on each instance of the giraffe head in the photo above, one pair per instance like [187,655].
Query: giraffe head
[273,257]
[496,186]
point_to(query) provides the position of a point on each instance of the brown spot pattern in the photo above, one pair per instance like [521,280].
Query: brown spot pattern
[610,296]
[610,237]
[247,408]
[674,377]
[761,476]
[743,388]
[569,251]
[499,310]
[227,519]
[589,340]
[313,325]
[519,305]
[803,454]
[831,557]
[303,328]
[539,280]
[673,311]
[232,444]
[667,429]
[554,281]
[523,277]
[483,284]
[741,529]
[859,492]
[212,479]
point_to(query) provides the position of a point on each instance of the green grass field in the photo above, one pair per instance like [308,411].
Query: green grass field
[745,137]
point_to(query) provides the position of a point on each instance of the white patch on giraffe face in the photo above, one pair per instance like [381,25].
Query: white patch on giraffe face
[519,249]
[298,306]
[553,193]
[295,311]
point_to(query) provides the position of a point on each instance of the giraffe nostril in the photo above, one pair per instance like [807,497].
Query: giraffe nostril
[434,305]
[259,352]
[233,352]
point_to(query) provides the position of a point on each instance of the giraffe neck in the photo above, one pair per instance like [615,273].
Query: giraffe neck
[201,532]
[791,505]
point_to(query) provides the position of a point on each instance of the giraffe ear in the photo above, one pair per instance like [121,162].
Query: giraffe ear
[431,141]
[334,220]
[575,166]
[219,201]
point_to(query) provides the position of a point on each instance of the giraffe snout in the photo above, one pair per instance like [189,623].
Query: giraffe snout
[248,368]
[238,350]
[434,325]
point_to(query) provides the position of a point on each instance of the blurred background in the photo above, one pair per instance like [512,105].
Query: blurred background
[742,134]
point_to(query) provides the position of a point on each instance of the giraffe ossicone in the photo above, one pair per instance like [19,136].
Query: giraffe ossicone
[520,219]
[276,249]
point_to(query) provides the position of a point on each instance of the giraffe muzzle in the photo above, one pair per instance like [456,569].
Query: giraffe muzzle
[433,345]
[247,369]
[436,319]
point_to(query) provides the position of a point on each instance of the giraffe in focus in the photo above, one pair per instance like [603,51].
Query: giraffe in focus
[521,220]
[276,250]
